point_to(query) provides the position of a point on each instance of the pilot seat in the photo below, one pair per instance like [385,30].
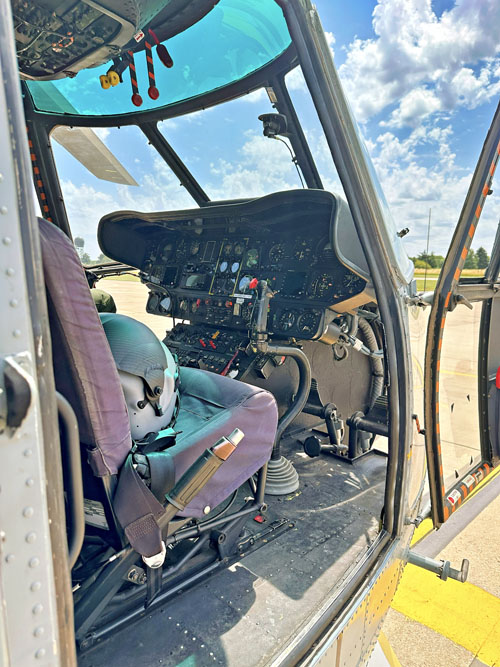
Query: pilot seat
[123,512]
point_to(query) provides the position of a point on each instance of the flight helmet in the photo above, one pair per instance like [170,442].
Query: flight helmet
[148,374]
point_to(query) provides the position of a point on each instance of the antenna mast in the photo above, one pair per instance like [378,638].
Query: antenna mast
[427,249]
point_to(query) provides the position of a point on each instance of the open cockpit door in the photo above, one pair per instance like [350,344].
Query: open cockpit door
[461,359]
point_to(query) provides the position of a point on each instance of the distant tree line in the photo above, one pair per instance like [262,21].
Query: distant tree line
[85,257]
[476,259]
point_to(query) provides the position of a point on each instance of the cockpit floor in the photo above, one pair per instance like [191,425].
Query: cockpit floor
[243,615]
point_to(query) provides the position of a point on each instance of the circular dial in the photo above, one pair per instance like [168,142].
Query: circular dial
[302,250]
[252,257]
[276,253]
[234,267]
[324,282]
[194,248]
[238,249]
[166,303]
[287,320]
[308,322]
[223,267]
[244,283]
[227,249]
[167,252]
[351,281]
[183,305]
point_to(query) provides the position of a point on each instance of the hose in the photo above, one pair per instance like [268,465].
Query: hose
[376,363]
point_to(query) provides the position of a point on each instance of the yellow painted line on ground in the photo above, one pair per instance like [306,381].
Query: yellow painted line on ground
[465,614]
[424,529]
[465,375]
[388,651]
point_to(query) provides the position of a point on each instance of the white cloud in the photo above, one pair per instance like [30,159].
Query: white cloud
[261,166]
[412,187]
[414,107]
[426,63]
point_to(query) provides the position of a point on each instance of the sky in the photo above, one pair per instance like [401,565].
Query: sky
[423,81]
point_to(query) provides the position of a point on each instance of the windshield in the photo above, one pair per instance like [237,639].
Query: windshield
[224,148]
[233,40]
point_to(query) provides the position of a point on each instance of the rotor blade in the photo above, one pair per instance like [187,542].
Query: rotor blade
[84,145]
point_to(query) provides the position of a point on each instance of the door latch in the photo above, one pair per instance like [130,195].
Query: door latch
[15,394]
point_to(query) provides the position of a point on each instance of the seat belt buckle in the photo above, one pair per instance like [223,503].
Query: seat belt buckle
[156,561]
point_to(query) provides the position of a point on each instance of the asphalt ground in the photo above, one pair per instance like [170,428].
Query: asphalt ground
[431,623]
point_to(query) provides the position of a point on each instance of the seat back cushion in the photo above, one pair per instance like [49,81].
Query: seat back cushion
[84,367]
[212,406]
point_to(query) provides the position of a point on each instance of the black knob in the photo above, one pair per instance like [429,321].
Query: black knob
[312,446]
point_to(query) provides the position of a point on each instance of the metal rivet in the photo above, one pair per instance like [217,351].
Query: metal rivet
[6,240]
[16,333]
[4,210]
[34,562]
[38,608]
[9,558]
[30,481]
[13,303]
[38,632]
[27,453]
[206,510]
[30,538]
[1,178]
[40,653]
[10,271]
[28,512]
[35,586]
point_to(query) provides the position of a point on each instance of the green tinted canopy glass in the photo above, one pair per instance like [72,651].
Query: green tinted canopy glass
[234,39]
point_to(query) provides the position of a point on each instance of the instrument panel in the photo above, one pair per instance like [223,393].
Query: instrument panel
[210,281]
[202,269]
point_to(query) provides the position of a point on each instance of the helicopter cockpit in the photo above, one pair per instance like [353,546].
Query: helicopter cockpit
[275,471]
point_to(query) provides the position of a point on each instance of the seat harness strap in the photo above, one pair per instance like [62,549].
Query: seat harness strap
[136,506]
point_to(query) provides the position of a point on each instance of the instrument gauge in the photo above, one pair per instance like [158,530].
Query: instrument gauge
[234,267]
[302,250]
[351,281]
[287,320]
[239,249]
[167,252]
[243,284]
[227,249]
[252,257]
[166,304]
[223,267]
[324,283]
[308,322]
[276,253]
